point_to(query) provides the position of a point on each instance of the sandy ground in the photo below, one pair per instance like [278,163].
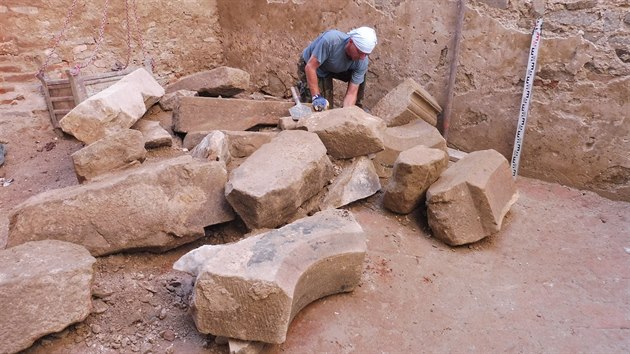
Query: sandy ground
[555,279]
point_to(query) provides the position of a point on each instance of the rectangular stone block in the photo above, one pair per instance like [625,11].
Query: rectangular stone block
[407,102]
[208,113]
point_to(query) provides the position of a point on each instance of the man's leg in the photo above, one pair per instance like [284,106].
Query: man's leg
[346,76]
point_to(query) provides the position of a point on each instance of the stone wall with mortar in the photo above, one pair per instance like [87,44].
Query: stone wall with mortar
[578,133]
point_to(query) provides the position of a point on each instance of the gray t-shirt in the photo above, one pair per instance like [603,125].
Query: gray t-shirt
[329,49]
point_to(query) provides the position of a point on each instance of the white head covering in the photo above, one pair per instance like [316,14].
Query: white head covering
[364,38]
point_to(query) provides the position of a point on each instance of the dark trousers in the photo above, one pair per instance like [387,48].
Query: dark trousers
[325,84]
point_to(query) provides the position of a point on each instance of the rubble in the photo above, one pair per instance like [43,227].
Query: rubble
[157,206]
[213,147]
[266,193]
[240,143]
[346,132]
[44,287]
[170,101]
[406,103]
[116,151]
[252,289]
[154,135]
[222,81]
[357,181]
[116,108]
[470,199]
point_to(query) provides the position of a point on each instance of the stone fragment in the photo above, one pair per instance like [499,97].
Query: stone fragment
[357,181]
[207,113]
[117,151]
[154,135]
[116,108]
[44,287]
[470,199]
[267,192]
[222,81]
[455,155]
[240,143]
[251,290]
[213,147]
[346,132]
[401,138]
[238,346]
[580,4]
[170,101]
[157,206]
[414,171]
[406,103]
[287,123]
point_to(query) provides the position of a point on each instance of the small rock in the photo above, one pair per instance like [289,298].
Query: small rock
[168,335]
[95,328]
[99,306]
[162,314]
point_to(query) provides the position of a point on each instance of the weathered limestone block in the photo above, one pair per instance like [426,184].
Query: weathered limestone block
[240,143]
[213,147]
[346,132]
[470,199]
[157,206]
[267,189]
[116,151]
[414,171]
[222,81]
[406,103]
[154,135]
[207,113]
[170,101]
[401,138]
[116,108]
[357,181]
[251,290]
[44,287]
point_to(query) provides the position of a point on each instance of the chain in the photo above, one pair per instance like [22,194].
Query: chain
[139,38]
[128,25]
[101,33]
[56,40]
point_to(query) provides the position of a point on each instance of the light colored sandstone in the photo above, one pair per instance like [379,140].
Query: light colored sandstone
[222,81]
[346,132]
[170,101]
[251,290]
[44,287]
[157,206]
[357,181]
[119,150]
[238,346]
[116,108]
[406,103]
[213,147]
[268,188]
[154,135]
[470,199]
[414,171]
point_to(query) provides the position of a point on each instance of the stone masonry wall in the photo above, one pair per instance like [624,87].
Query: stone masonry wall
[578,132]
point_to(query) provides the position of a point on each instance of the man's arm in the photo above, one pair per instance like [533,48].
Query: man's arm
[351,94]
[311,75]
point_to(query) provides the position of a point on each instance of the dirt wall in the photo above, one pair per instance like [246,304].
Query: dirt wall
[578,132]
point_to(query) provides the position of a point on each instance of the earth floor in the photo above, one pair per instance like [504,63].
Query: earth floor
[555,279]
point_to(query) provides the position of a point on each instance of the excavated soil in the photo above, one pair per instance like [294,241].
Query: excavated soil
[556,278]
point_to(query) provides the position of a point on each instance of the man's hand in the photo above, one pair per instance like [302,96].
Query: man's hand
[320,103]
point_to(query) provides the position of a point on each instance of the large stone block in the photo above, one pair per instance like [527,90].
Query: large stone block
[268,188]
[44,287]
[170,101]
[414,171]
[404,137]
[157,206]
[406,103]
[346,132]
[251,290]
[116,108]
[116,151]
[207,113]
[357,181]
[470,199]
[154,135]
[222,81]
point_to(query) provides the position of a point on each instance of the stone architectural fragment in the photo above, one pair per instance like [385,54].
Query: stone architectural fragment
[222,81]
[470,199]
[406,103]
[251,290]
[157,206]
[414,171]
[154,135]
[357,181]
[207,113]
[116,108]
[268,188]
[44,287]
[346,132]
[116,151]
[401,138]
[170,101]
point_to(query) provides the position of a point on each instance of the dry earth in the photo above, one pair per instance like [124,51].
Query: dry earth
[555,279]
